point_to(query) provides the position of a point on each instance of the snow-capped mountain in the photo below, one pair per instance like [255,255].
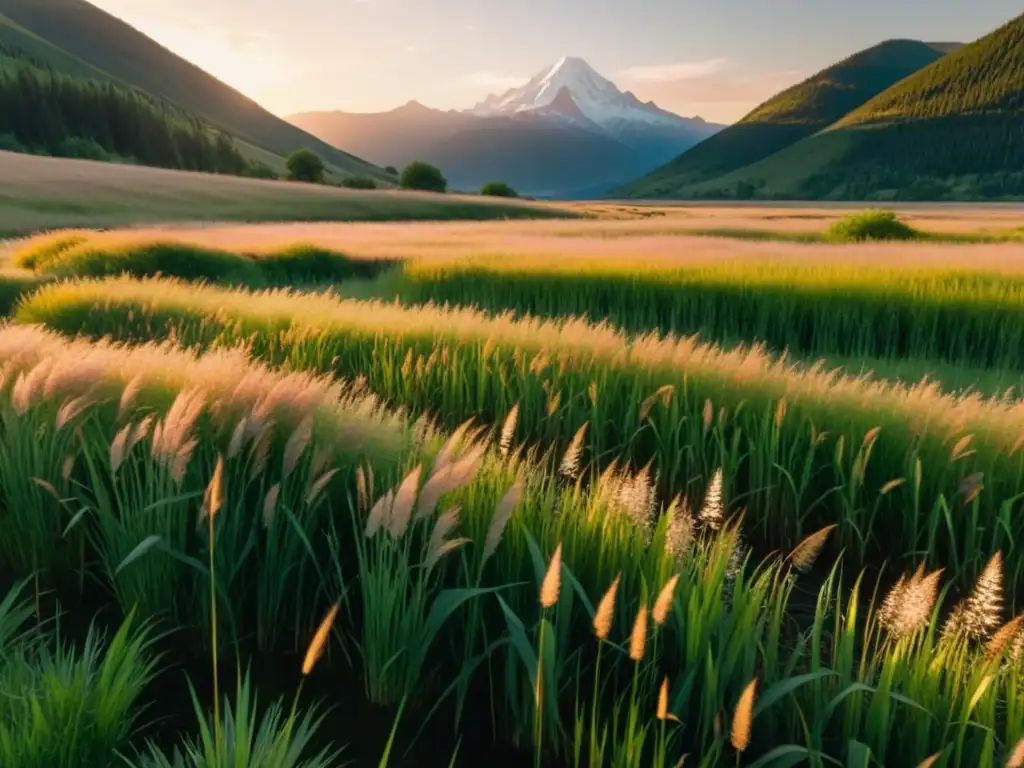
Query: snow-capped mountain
[596,97]
[567,132]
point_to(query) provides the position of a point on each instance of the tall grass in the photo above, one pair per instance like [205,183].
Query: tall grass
[905,472]
[963,316]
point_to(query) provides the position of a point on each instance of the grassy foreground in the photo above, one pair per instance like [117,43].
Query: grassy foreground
[906,473]
[577,626]
[39,193]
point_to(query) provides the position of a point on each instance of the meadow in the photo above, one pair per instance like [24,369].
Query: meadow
[612,492]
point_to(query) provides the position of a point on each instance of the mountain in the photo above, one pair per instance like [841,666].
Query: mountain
[792,115]
[567,130]
[950,131]
[76,37]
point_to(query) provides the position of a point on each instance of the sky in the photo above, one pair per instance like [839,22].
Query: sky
[713,58]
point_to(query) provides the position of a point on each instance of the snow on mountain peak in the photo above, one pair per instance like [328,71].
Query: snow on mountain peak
[596,97]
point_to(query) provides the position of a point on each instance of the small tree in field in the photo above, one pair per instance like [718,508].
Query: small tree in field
[423,176]
[305,165]
[391,169]
[498,189]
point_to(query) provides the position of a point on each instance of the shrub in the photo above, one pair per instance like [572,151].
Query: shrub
[391,169]
[9,143]
[498,189]
[257,170]
[423,176]
[82,149]
[358,182]
[305,165]
[871,225]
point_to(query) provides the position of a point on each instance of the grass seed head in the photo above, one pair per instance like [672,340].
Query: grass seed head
[605,614]
[743,717]
[319,642]
[980,614]
[663,701]
[405,497]
[508,431]
[552,583]
[499,520]
[806,552]
[712,512]
[638,638]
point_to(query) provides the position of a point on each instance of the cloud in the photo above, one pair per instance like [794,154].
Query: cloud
[495,81]
[680,70]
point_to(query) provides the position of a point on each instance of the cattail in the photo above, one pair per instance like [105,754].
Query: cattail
[980,614]
[743,717]
[570,466]
[806,552]
[711,513]
[1017,758]
[508,431]
[401,510]
[502,514]
[270,504]
[929,761]
[663,701]
[606,611]
[552,580]
[664,602]
[638,640]
[316,646]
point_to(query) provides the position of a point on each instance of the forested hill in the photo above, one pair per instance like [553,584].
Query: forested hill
[44,111]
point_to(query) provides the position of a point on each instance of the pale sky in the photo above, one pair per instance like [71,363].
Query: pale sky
[714,58]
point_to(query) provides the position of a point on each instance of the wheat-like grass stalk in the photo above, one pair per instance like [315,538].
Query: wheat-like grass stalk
[297,443]
[1005,636]
[380,514]
[405,497]
[743,717]
[552,580]
[319,641]
[605,614]
[806,552]
[570,466]
[929,761]
[270,504]
[662,712]
[663,603]
[979,615]
[711,512]
[499,520]
[508,431]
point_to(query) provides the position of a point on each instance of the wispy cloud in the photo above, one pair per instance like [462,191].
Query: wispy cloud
[679,70]
[494,81]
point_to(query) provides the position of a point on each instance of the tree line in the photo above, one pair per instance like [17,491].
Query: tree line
[48,112]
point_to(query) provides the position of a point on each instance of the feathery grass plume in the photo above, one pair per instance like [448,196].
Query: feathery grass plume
[1017,757]
[711,512]
[743,717]
[552,580]
[173,440]
[405,497]
[663,700]
[709,414]
[891,486]
[636,498]
[570,466]
[806,552]
[362,493]
[318,487]
[908,606]
[270,504]
[679,531]
[319,641]
[980,614]
[380,514]
[1005,636]
[502,514]
[119,447]
[129,395]
[71,409]
[508,431]
[215,490]
[440,544]
[238,437]
[663,604]
[929,761]
[638,639]
[972,486]
[780,413]
[960,449]
[451,445]
[296,445]
[606,611]
[663,393]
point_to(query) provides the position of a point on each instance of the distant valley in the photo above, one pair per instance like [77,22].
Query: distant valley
[568,132]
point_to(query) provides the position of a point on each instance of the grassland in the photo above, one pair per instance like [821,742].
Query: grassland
[640,548]
[41,193]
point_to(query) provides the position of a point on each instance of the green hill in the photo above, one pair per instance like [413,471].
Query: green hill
[792,115]
[951,131]
[75,37]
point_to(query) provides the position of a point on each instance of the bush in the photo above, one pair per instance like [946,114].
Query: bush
[82,149]
[871,225]
[358,182]
[391,169]
[9,143]
[305,165]
[254,169]
[498,189]
[423,176]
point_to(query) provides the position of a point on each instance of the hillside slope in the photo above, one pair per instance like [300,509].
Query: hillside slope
[951,131]
[83,34]
[794,114]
